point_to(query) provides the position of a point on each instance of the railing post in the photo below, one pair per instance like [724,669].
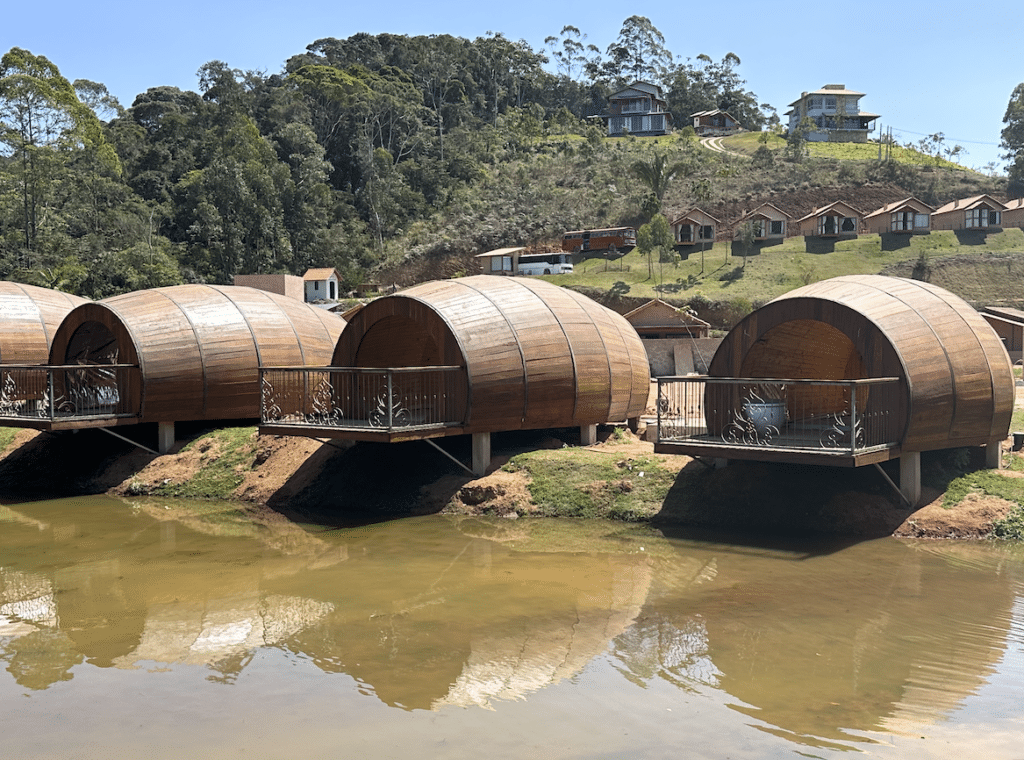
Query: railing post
[49,383]
[391,406]
[853,418]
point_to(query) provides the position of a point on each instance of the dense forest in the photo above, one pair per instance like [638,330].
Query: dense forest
[360,154]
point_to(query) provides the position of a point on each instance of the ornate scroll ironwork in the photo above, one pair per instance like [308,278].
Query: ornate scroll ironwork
[758,420]
[324,410]
[840,435]
[270,406]
[389,410]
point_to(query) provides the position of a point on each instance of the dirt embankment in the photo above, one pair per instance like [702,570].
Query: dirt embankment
[302,478]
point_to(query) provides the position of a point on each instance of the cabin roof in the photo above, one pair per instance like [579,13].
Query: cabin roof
[766,210]
[661,313]
[697,214]
[501,252]
[914,203]
[966,204]
[29,316]
[840,206]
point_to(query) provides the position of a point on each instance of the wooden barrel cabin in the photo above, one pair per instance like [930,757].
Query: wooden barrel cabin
[175,354]
[29,317]
[479,355]
[875,368]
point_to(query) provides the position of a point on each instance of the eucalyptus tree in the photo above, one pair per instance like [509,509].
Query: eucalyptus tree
[43,125]
[1013,140]
[639,53]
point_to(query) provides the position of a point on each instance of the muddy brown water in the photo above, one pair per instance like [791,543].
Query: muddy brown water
[156,629]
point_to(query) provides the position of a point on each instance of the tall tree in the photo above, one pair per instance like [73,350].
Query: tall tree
[639,53]
[1013,140]
[42,124]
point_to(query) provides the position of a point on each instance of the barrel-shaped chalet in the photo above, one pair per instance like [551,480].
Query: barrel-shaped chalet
[175,354]
[849,371]
[473,355]
[29,317]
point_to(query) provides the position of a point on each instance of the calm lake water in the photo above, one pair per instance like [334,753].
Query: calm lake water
[152,629]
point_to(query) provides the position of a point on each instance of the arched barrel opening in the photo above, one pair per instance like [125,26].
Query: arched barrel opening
[398,341]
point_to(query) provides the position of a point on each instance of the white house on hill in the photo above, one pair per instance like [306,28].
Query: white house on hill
[835,112]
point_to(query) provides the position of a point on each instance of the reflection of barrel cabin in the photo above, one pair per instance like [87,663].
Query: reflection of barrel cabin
[190,352]
[29,316]
[479,355]
[952,383]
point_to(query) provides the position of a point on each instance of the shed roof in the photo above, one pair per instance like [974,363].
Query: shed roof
[957,379]
[501,252]
[535,355]
[324,273]
[198,347]
[661,313]
[29,316]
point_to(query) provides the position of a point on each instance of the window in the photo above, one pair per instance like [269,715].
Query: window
[849,224]
[982,217]
[685,233]
[707,232]
[922,221]
[777,227]
[830,103]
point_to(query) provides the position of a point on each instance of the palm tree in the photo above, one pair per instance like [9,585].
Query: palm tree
[657,173]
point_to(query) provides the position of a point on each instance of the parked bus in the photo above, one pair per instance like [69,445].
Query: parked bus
[545,263]
[613,240]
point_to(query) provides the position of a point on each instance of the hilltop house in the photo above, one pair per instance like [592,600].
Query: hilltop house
[714,123]
[837,219]
[640,109]
[768,221]
[979,212]
[693,227]
[322,284]
[906,216]
[835,112]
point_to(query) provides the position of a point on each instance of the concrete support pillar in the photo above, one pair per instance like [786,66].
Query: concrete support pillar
[994,455]
[164,436]
[910,476]
[588,435]
[481,453]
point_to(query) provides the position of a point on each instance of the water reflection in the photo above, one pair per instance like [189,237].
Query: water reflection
[818,647]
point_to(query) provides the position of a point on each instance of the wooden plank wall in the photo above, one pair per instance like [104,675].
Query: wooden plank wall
[536,355]
[29,316]
[199,347]
[958,378]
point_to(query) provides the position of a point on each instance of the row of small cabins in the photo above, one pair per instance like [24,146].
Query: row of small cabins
[840,220]
[847,372]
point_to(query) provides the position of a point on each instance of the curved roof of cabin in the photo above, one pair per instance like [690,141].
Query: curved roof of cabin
[958,384]
[536,355]
[29,316]
[198,347]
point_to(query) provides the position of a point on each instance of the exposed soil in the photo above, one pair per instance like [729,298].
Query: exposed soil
[298,477]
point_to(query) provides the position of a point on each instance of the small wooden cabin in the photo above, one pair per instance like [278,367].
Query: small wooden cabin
[174,354]
[835,220]
[472,355]
[29,316]
[1013,213]
[769,223]
[694,227]
[850,371]
[1009,326]
[714,123]
[906,217]
[980,213]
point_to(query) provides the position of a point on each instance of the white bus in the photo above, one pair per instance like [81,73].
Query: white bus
[545,263]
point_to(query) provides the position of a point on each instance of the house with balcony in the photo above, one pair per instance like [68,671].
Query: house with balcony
[835,220]
[981,213]
[835,112]
[695,227]
[908,216]
[640,109]
[714,123]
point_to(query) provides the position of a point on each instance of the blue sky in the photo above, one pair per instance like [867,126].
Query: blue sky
[939,67]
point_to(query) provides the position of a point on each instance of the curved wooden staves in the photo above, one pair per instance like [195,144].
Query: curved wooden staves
[535,355]
[957,378]
[29,317]
[198,347]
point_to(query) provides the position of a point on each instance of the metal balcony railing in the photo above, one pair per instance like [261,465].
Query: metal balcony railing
[65,392]
[824,416]
[356,398]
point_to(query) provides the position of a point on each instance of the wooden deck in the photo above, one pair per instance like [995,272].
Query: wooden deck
[840,423]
